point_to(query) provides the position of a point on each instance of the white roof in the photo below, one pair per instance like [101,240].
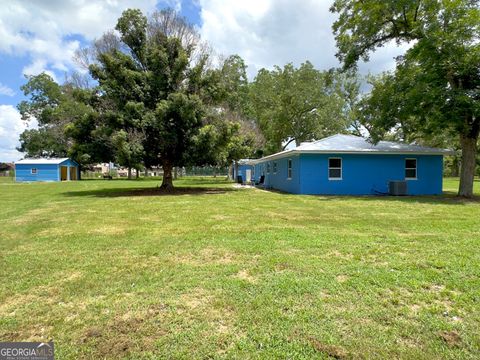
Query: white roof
[350,144]
[42,161]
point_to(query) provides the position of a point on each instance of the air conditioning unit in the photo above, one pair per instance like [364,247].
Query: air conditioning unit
[397,188]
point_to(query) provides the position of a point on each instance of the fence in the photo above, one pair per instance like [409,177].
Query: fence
[185,171]
[206,171]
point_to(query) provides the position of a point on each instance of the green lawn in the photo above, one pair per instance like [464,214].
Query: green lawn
[109,269]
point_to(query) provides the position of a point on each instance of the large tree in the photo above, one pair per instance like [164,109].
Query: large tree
[156,75]
[297,104]
[437,81]
[66,121]
[46,104]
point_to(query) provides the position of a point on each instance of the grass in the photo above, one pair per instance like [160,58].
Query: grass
[109,270]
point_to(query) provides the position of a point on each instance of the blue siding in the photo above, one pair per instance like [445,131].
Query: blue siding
[242,171]
[69,162]
[258,171]
[279,180]
[364,174]
[45,172]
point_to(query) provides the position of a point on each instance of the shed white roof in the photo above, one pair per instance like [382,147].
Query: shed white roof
[350,144]
[41,161]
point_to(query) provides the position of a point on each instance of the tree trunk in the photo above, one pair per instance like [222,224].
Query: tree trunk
[467,171]
[175,173]
[230,172]
[236,171]
[146,172]
[129,173]
[137,173]
[167,182]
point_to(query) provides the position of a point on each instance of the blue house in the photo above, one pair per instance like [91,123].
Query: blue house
[46,170]
[350,165]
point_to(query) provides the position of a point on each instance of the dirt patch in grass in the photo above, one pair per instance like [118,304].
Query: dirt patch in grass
[11,304]
[198,297]
[244,275]
[282,266]
[451,338]
[409,342]
[342,278]
[108,230]
[199,304]
[116,339]
[55,232]
[436,288]
[205,257]
[340,255]
[91,333]
[333,351]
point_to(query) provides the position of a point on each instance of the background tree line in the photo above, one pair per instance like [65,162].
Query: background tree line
[156,95]
[153,97]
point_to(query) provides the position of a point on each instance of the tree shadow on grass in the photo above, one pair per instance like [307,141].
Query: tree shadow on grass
[127,192]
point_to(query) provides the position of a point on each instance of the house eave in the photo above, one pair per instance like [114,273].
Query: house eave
[294,152]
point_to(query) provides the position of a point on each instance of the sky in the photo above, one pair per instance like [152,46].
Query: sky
[42,35]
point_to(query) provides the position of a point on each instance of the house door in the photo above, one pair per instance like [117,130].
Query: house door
[248,175]
[63,173]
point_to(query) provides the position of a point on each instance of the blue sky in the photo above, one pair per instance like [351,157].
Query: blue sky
[14,65]
[38,36]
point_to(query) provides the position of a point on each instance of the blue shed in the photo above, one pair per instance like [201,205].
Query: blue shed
[46,170]
[245,169]
[350,165]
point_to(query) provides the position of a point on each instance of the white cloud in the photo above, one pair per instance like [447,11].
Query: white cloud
[11,126]
[276,32]
[43,30]
[37,67]
[5,90]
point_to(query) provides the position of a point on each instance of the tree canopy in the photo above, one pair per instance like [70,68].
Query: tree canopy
[298,104]
[64,114]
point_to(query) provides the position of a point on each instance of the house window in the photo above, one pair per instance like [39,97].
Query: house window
[33,171]
[289,169]
[334,169]
[268,168]
[274,167]
[253,170]
[411,169]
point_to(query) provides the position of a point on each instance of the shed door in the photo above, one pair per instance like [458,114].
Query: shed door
[73,173]
[63,173]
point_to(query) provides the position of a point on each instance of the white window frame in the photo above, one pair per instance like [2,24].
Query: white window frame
[32,172]
[415,168]
[335,168]
[289,169]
